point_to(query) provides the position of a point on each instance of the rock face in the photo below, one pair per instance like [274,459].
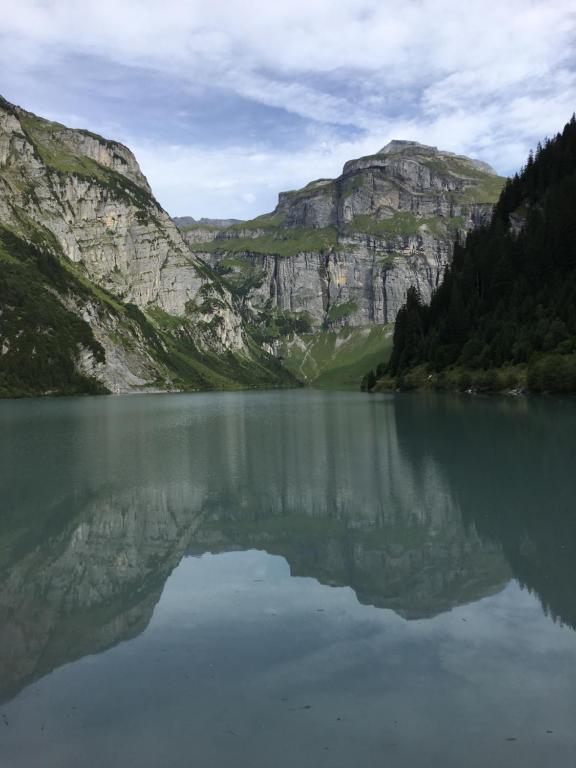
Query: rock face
[345,251]
[198,306]
[92,196]
[84,200]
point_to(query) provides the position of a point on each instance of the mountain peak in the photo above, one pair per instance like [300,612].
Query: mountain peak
[399,145]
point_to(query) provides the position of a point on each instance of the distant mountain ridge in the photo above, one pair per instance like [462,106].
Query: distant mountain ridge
[342,253]
[182,222]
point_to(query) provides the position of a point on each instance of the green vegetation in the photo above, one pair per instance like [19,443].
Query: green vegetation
[240,274]
[163,320]
[336,359]
[508,302]
[59,157]
[274,324]
[190,368]
[454,165]
[200,226]
[486,187]
[387,259]
[350,184]
[281,242]
[453,379]
[455,224]
[340,311]
[43,295]
[39,339]
[100,139]
[170,339]
[405,224]
[486,191]
[400,224]
[317,186]
[265,221]
[553,373]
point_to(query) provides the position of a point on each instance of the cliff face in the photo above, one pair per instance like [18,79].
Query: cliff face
[517,276]
[345,251]
[92,196]
[117,297]
[83,201]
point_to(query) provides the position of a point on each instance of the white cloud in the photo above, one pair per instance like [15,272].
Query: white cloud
[488,79]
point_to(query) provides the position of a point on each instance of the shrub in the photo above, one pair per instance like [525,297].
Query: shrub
[553,373]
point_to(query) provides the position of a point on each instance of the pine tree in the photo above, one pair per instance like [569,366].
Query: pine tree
[509,295]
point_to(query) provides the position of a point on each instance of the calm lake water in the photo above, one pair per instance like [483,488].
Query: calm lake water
[288,579]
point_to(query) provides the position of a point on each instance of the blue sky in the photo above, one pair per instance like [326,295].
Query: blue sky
[227,103]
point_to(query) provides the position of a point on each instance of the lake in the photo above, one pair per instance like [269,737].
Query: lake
[287,579]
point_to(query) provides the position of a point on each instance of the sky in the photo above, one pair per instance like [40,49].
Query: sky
[228,102]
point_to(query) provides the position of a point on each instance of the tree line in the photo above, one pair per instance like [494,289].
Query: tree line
[508,299]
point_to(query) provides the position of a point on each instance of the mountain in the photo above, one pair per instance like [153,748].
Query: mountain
[338,256]
[98,289]
[187,222]
[102,291]
[505,314]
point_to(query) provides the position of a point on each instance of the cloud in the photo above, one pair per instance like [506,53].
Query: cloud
[488,79]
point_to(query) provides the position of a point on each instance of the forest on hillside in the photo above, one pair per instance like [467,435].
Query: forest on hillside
[504,315]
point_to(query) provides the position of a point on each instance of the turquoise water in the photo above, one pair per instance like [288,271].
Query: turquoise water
[287,579]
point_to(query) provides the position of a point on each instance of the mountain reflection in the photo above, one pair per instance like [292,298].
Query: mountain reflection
[418,504]
[87,585]
[510,468]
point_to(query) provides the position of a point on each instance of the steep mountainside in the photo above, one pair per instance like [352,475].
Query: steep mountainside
[343,252]
[99,291]
[505,314]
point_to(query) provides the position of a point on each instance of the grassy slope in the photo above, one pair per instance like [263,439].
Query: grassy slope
[276,241]
[61,159]
[331,359]
[39,338]
[194,369]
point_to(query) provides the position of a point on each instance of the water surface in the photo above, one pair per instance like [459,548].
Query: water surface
[287,579]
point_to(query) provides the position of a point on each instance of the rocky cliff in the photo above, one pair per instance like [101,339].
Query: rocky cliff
[344,251]
[157,317]
[337,257]
[102,291]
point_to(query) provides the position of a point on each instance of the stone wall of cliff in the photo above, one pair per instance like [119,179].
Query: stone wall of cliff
[84,202]
[390,222]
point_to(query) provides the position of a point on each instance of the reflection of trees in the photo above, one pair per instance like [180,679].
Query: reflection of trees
[509,466]
[410,501]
